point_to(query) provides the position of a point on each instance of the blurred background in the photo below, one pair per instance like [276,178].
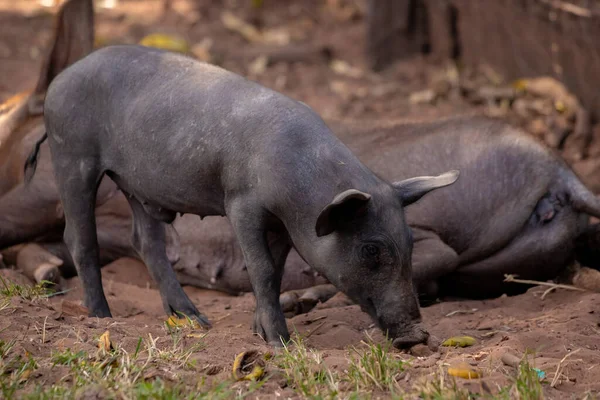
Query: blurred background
[535,63]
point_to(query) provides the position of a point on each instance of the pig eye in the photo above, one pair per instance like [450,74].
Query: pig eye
[370,251]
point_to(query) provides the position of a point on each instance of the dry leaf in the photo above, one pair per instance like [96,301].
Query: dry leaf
[165,42]
[176,322]
[104,342]
[249,32]
[459,341]
[423,96]
[464,370]
[231,22]
[248,366]
[343,68]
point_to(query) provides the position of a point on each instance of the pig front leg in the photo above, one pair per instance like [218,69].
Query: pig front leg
[149,240]
[80,237]
[265,259]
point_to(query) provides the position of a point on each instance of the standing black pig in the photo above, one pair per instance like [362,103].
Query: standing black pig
[177,135]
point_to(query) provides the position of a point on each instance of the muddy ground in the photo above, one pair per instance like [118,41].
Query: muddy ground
[561,328]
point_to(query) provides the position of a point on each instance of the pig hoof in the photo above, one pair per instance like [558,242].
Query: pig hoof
[182,306]
[99,313]
[276,336]
[195,317]
[278,344]
[203,321]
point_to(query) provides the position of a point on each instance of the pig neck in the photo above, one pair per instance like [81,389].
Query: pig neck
[327,170]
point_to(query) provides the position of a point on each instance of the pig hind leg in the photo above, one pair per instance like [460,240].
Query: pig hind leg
[265,253]
[540,252]
[148,239]
[431,260]
[78,188]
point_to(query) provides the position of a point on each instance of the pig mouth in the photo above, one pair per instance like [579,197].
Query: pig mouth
[411,335]
[369,307]
[415,335]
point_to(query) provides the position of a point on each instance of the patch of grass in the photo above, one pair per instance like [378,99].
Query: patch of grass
[9,290]
[158,390]
[375,368]
[118,374]
[442,389]
[177,354]
[305,371]
[5,348]
[158,369]
[526,385]
[14,371]
[67,357]
[43,392]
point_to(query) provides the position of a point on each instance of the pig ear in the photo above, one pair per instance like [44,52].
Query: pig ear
[73,39]
[413,189]
[343,207]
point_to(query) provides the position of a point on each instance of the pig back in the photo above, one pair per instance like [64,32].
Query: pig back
[503,173]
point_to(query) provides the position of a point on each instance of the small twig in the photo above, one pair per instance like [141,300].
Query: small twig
[57,293]
[547,291]
[557,374]
[471,311]
[318,319]
[309,334]
[222,317]
[569,8]
[44,331]
[511,278]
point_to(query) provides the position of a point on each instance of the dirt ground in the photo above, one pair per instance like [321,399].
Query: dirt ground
[561,328]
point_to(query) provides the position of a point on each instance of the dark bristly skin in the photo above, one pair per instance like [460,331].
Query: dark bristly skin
[516,209]
[505,175]
[178,135]
[207,252]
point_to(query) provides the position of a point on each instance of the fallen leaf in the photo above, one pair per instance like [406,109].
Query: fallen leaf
[343,68]
[248,366]
[464,370]
[233,23]
[104,342]
[165,42]
[176,322]
[459,341]
[423,96]
[25,375]
[249,32]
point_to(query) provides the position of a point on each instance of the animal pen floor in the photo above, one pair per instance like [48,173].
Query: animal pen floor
[561,329]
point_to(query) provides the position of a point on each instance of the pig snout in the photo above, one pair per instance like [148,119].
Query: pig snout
[416,334]
[399,315]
